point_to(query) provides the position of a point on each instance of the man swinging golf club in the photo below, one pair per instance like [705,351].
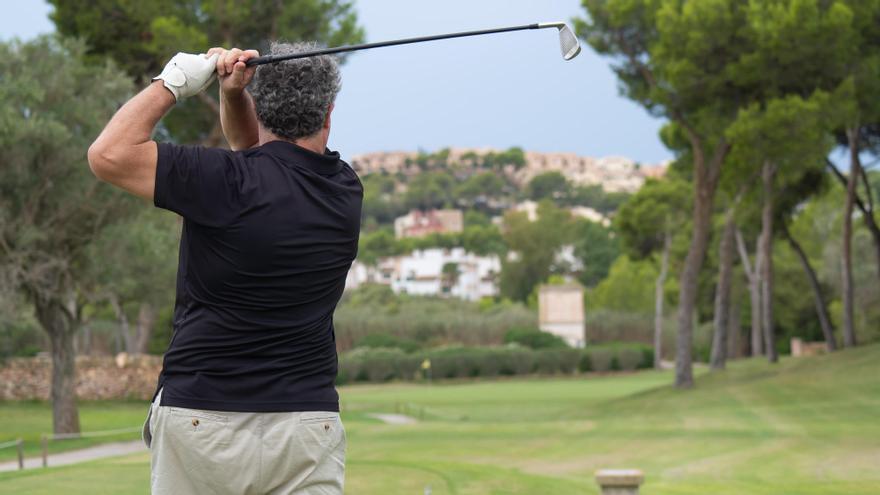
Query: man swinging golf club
[246,402]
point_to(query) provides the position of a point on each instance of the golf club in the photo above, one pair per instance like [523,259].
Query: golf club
[567,41]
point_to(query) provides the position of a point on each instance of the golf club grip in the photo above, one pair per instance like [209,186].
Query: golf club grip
[268,59]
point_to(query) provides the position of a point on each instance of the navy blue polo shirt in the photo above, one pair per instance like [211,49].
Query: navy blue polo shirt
[269,235]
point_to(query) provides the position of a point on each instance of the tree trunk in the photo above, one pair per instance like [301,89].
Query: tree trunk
[124,329]
[849,334]
[821,309]
[867,210]
[145,325]
[60,326]
[658,299]
[768,174]
[734,350]
[754,279]
[705,181]
[720,337]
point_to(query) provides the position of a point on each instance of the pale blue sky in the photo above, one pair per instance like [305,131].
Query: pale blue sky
[496,91]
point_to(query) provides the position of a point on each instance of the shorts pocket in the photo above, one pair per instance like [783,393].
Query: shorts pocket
[318,417]
[205,429]
[319,427]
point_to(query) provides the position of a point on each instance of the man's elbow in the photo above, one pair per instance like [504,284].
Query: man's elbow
[100,161]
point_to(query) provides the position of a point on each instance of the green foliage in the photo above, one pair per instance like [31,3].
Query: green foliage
[137,259]
[119,29]
[616,356]
[19,337]
[628,288]
[549,185]
[430,190]
[791,132]
[428,321]
[595,197]
[387,341]
[384,364]
[373,245]
[426,161]
[483,240]
[597,247]
[380,205]
[51,206]
[533,338]
[535,244]
[141,36]
[163,329]
[514,157]
[380,364]
[481,185]
[657,208]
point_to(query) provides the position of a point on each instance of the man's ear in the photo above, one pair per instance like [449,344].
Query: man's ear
[327,119]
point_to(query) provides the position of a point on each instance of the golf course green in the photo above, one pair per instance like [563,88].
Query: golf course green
[803,426]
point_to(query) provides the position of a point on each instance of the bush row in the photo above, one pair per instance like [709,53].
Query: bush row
[385,364]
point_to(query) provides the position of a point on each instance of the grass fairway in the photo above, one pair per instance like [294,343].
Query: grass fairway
[804,426]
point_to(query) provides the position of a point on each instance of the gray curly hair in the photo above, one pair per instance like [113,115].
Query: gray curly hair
[292,98]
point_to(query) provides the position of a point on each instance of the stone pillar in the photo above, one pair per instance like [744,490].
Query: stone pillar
[619,481]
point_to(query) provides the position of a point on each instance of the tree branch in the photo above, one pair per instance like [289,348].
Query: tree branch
[868,194]
[843,181]
[744,254]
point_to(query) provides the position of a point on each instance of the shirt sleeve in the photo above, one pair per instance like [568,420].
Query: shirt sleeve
[203,185]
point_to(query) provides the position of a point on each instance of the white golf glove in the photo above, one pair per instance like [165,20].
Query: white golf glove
[187,74]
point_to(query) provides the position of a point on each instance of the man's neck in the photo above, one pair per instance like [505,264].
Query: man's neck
[316,142]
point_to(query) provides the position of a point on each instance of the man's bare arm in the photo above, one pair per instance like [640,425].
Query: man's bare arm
[238,116]
[124,155]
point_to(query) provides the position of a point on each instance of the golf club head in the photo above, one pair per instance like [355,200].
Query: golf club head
[568,42]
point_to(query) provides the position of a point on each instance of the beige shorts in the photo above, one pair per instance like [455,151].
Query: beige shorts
[216,452]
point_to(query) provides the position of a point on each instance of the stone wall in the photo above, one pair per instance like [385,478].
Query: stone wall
[97,378]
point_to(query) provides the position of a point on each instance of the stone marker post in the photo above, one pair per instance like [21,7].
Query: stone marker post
[619,481]
[19,447]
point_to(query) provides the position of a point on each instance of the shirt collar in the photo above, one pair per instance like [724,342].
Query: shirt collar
[322,163]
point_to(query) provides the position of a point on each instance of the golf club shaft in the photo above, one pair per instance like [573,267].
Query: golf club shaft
[268,59]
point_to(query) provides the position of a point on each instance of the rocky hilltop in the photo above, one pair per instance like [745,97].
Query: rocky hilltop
[613,173]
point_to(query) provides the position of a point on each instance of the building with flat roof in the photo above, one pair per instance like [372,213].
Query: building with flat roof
[561,312]
[421,223]
[432,272]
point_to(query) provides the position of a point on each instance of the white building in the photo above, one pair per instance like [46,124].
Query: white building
[561,312]
[530,208]
[433,272]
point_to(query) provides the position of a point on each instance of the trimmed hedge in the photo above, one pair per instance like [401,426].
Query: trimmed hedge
[616,356]
[377,365]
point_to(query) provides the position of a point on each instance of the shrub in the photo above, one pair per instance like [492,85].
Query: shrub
[600,359]
[376,365]
[381,364]
[388,341]
[553,361]
[586,364]
[533,338]
[615,362]
[628,359]
[428,321]
[647,361]
[617,356]
[604,326]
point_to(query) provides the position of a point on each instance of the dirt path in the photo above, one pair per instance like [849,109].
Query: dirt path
[394,419]
[75,456]
[124,448]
